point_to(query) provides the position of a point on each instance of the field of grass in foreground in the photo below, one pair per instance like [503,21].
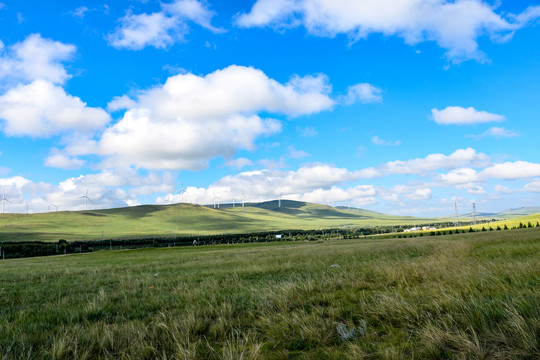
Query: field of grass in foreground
[464,296]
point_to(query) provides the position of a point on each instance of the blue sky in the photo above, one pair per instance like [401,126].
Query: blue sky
[403,107]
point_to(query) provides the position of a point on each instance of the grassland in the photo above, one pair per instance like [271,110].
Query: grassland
[185,219]
[512,223]
[464,296]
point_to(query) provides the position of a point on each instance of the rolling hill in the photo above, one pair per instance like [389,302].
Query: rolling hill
[187,219]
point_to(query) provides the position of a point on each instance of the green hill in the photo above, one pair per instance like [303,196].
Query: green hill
[187,219]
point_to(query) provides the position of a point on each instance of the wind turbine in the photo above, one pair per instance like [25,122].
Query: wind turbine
[86,199]
[4,199]
[456,223]
[182,191]
[214,200]
[55,206]
[244,197]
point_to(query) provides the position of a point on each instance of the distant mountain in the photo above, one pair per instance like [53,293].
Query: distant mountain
[522,211]
[505,214]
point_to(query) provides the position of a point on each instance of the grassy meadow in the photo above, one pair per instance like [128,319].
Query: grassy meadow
[185,219]
[463,296]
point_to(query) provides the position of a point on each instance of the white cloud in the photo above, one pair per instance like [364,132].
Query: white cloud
[456,115]
[192,10]
[533,186]
[143,140]
[476,190]
[417,192]
[138,31]
[468,177]
[191,119]
[121,103]
[42,109]
[454,25]
[531,14]
[315,182]
[80,11]
[107,189]
[512,170]
[63,162]
[364,93]
[359,195]
[461,176]
[308,131]
[503,189]
[35,58]
[497,132]
[378,141]
[238,163]
[160,29]
[296,154]
[459,158]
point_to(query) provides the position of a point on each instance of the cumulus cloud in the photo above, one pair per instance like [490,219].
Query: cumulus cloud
[456,115]
[296,154]
[107,189]
[459,158]
[468,178]
[503,189]
[364,93]
[135,32]
[238,163]
[42,109]
[417,192]
[497,132]
[308,131]
[476,190]
[35,58]
[461,176]
[63,162]
[160,29]
[191,119]
[360,195]
[512,170]
[454,25]
[314,182]
[533,186]
[80,12]
[378,141]
[193,10]
[34,103]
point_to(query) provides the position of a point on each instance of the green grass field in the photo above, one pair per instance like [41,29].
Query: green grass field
[464,296]
[185,219]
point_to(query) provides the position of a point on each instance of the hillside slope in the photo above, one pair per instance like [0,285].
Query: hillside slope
[186,219]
